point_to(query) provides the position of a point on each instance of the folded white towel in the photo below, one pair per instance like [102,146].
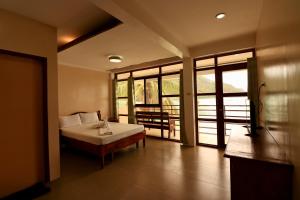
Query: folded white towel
[104,131]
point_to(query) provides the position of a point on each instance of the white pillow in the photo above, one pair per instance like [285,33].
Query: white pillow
[68,121]
[91,117]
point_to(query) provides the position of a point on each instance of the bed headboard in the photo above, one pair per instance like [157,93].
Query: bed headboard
[98,113]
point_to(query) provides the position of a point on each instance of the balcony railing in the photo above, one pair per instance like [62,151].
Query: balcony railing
[240,112]
[233,114]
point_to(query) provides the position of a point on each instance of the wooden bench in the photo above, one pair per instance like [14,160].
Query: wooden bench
[158,120]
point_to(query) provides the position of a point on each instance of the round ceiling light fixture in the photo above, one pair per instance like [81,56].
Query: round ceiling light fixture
[220,15]
[115,59]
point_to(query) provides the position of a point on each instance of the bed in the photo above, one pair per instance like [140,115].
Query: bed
[87,136]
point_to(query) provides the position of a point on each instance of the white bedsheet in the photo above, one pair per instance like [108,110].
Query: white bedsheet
[88,132]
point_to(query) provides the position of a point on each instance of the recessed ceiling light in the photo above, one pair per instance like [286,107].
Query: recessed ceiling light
[220,16]
[115,59]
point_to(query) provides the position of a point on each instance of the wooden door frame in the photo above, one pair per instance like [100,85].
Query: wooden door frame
[43,186]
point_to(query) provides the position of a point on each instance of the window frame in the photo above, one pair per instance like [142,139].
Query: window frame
[219,92]
[159,77]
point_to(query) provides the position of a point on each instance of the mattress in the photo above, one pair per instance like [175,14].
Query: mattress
[88,132]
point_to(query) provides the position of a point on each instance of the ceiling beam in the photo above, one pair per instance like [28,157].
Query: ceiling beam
[145,65]
[131,13]
[105,27]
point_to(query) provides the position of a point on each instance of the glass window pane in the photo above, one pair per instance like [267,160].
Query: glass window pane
[139,91]
[205,63]
[171,84]
[146,72]
[235,58]
[236,108]
[207,107]
[228,129]
[149,109]
[122,106]
[207,132]
[206,81]
[152,91]
[171,105]
[172,68]
[173,136]
[123,76]
[121,90]
[123,119]
[154,132]
[235,81]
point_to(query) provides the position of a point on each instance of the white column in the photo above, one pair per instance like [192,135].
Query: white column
[189,106]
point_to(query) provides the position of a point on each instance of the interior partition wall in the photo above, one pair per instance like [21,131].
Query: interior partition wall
[220,96]
[156,89]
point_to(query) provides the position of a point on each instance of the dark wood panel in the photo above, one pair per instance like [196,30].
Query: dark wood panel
[255,180]
[259,167]
[23,75]
[31,192]
[262,147]
[102,150]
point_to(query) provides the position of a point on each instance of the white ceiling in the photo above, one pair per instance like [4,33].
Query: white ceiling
[152,29]
[193,21]
[129,42]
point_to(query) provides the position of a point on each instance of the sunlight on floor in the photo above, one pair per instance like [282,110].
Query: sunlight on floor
[157,133]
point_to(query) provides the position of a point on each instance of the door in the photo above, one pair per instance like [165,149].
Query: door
[221,96]
[234,97]
[206,98]
[23,121]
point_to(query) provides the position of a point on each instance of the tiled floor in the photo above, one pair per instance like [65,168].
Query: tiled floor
[163,170]
[203,138]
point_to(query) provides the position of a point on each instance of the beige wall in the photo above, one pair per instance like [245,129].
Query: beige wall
[227,45]
[278,51]
[189,104]
[83,90]
[21,34]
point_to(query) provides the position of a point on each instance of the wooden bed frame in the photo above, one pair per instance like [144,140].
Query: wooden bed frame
[102,150]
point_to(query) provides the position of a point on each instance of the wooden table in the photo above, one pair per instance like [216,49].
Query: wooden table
[259,168]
